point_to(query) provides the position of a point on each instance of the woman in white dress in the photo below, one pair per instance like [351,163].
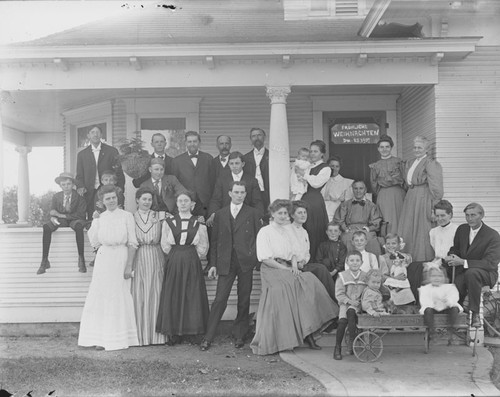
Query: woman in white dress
[337,189]
[108,320]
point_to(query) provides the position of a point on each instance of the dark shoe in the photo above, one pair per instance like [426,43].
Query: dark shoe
[173,340]
[311,343]
[337,353]
[91,263]
[332,327]
[99,348]
[476,320]
[239,343]
[44,265]
[205,345]
[81,265]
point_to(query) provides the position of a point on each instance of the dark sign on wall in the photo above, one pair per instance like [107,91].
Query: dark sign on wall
[355,133]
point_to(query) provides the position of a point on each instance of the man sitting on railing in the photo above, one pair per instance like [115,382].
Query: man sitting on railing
[67,210]
[475,255]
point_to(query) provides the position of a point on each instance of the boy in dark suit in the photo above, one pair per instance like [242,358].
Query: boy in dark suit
[91,162]
[67,210]
[233,254]
[220,198]
[165,188]
[194,170]
[159,142]
[475,255]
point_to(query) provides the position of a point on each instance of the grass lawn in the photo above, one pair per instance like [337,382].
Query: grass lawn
[43,364]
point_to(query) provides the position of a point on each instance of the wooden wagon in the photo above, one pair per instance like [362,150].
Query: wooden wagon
[368,345]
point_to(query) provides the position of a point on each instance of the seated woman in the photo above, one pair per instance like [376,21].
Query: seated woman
[293,305]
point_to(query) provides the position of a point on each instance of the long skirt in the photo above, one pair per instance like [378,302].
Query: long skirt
[183,302]
[416,222]
[317,220]
[390,201]
[290,308]
[146,289]
[108,318]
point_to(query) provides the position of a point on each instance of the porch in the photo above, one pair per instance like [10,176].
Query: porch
[59,294]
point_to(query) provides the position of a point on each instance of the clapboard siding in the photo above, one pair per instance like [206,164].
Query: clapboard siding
[235,114]
[59,294]
[417,117]
[468,131]
[119,121]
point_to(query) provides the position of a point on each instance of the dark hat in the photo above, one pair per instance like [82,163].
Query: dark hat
[65,175]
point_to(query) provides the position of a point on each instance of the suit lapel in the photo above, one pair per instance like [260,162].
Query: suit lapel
[477,239]
[240,218]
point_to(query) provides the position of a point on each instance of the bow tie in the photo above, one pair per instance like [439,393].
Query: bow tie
[193,156]
[160,157]
[360,202]
[223,160]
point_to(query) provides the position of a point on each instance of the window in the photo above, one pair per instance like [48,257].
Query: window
[172,128]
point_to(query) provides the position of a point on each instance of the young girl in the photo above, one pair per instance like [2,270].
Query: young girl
[371,300]
[348,290]
[332,253]
[393,264]
[438,297]
[298,185]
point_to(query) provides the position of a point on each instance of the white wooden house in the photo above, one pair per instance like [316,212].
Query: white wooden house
[294,68]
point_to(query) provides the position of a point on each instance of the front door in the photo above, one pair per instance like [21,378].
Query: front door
[353,136]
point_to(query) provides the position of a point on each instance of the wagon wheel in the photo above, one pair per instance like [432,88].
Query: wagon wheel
[368,346]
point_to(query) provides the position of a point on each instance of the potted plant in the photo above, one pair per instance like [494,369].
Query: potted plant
[134,159]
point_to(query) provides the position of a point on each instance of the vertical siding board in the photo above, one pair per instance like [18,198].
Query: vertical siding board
[468,131]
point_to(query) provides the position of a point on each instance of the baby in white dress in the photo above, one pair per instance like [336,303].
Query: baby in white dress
[298,185]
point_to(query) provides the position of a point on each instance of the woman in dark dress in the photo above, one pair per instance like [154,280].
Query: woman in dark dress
[316,177]
[183,302]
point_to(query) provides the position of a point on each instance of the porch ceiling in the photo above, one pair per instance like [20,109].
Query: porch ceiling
[40,111]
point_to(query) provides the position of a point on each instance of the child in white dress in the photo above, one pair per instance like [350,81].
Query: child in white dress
[438,297]
[298,185]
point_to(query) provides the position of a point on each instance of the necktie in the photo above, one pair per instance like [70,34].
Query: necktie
[67,203]
[157,186]
[360,202]
[235,212]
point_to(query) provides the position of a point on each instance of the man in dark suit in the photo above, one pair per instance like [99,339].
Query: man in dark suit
[159,142]
[91,162]
[221,161]
[257,163]
[475,255]
[67,210]
[165,187]
[220,198]
[233,255]
[194,170]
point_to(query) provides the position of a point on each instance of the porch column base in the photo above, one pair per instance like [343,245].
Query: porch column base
[279,146]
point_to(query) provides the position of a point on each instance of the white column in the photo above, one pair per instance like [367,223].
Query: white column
[2,155]
[23,185]
[279,147]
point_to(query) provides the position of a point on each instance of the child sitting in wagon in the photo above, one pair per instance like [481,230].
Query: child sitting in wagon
[438,297]
[348,290]
[393,265]
[371,300]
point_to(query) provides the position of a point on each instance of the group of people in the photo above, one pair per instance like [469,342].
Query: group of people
[320,254]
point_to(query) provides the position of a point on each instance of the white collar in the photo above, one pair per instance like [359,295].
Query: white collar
[476,230]
[223,158]
[320,161]
[96,149]
[240,174]
[154,180]
[421,158]
[158,155]
[196,154]
[259,152]
[337,178]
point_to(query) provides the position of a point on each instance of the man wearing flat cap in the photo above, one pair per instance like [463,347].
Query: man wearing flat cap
[68,209]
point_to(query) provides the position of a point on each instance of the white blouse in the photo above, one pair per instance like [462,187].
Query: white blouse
[273,241]
[442,239]
[113,228]
[300,242]
[319,180]
[200,240]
